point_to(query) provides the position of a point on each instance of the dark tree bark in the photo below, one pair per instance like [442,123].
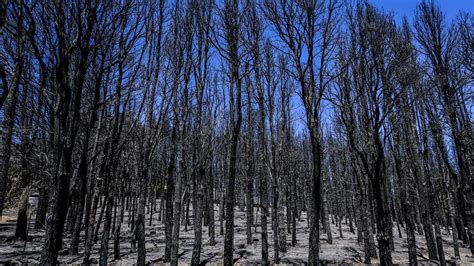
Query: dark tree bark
[10,96]
[230,18]
[108,110]
[436,41]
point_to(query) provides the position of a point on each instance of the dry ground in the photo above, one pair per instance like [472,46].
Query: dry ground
[343,250]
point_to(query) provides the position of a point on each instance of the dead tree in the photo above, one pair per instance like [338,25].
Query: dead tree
[228,28]
[439,47]
[308,26]
[14,12]
[203,12]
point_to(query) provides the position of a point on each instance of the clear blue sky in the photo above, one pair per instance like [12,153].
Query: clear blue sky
[400,8]
[407,8]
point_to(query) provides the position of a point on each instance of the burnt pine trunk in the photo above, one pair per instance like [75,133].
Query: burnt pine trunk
[11,96]
[104,245]
[83,164]
[406,190]
[200,180]
[249,172]
[67,116]
[315,194]
[230,198]
[25,174]
[198,216]
[176,219]
[212,228]
[430,29]
[118,227]
[140,222]
[263,216]
[265,171]
[235,94]
[407,205]
[382,212]
[169,194]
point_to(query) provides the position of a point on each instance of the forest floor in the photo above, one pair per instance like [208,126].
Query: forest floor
[343,250]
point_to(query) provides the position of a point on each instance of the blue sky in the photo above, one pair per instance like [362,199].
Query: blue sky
[407,8]
[400,8]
